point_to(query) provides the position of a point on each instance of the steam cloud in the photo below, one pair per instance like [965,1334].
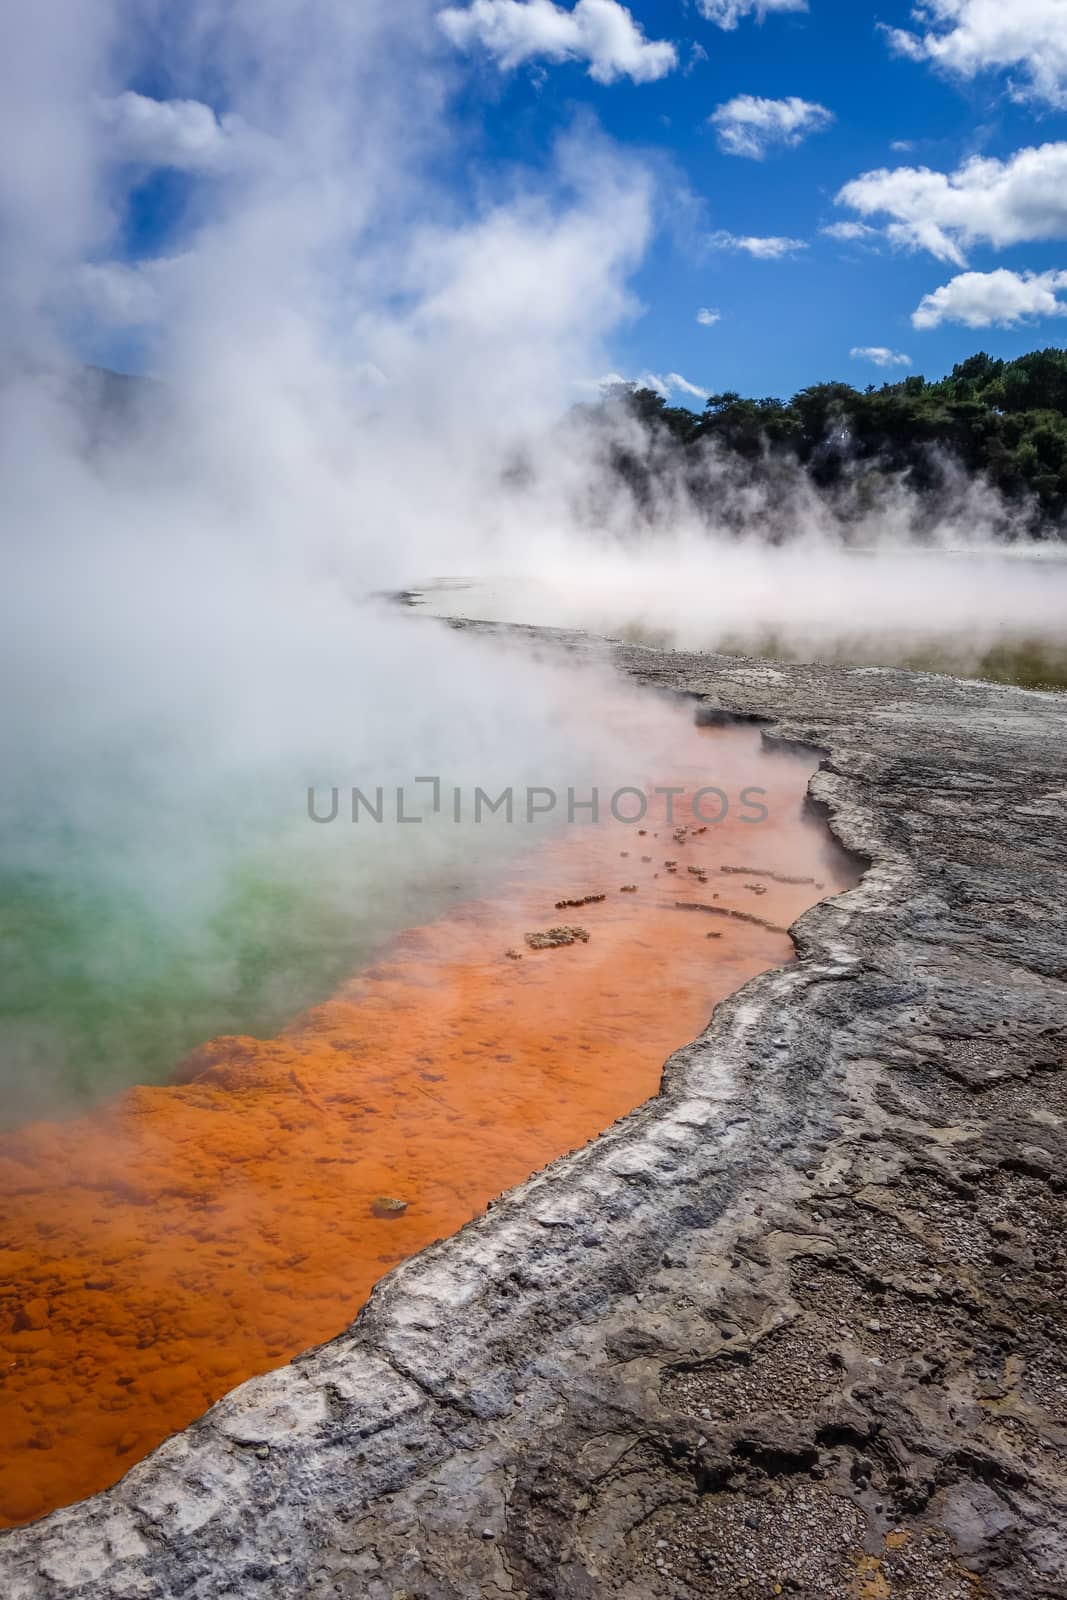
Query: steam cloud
[341,360]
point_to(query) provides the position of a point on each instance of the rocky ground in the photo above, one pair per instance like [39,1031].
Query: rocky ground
[795,1327]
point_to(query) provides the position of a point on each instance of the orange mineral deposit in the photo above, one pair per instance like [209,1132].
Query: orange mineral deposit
[180,1239]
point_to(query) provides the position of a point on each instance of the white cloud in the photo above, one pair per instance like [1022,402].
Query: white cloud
[666,384]
[993,299]
[771,248]
[849,232]
[880,355]
[674,380]
[984,201]
[902,147]
[967,37]
[601,32]
[185,134]
[124,294]
[749,125]
[708,318]
[728,13]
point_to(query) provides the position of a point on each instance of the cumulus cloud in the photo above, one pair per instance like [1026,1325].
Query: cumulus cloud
[880,355]
[667,384]
[708,318]
[761,248]
[749,126]
[985,201]
[850,232]
[184,134]
[967,37]
[1000,299]
[728,13]
[601,32]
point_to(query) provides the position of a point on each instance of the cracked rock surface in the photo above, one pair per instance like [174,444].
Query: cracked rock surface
[795,1327]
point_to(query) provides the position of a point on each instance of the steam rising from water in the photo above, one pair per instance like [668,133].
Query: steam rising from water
[983,611]
[360,379]
[345,355]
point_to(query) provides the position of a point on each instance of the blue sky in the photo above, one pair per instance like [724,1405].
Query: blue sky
[960,104]
[792,321]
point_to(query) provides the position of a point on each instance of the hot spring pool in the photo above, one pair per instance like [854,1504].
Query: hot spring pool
[179,1238]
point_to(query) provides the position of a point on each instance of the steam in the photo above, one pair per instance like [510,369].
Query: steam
[342,356]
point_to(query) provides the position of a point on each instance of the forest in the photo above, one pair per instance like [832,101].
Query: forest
[1004,422]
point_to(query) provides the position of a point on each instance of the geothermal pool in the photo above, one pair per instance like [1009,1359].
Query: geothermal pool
[180,1238]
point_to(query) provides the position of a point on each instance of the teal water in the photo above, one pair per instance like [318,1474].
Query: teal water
[144,912]
[103,984]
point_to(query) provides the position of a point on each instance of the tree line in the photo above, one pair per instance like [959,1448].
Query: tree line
[1005,421]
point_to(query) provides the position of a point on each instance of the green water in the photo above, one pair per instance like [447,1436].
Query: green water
[103,984]
[97,992]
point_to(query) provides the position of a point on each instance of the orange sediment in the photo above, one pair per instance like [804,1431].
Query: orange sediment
[180,1239]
